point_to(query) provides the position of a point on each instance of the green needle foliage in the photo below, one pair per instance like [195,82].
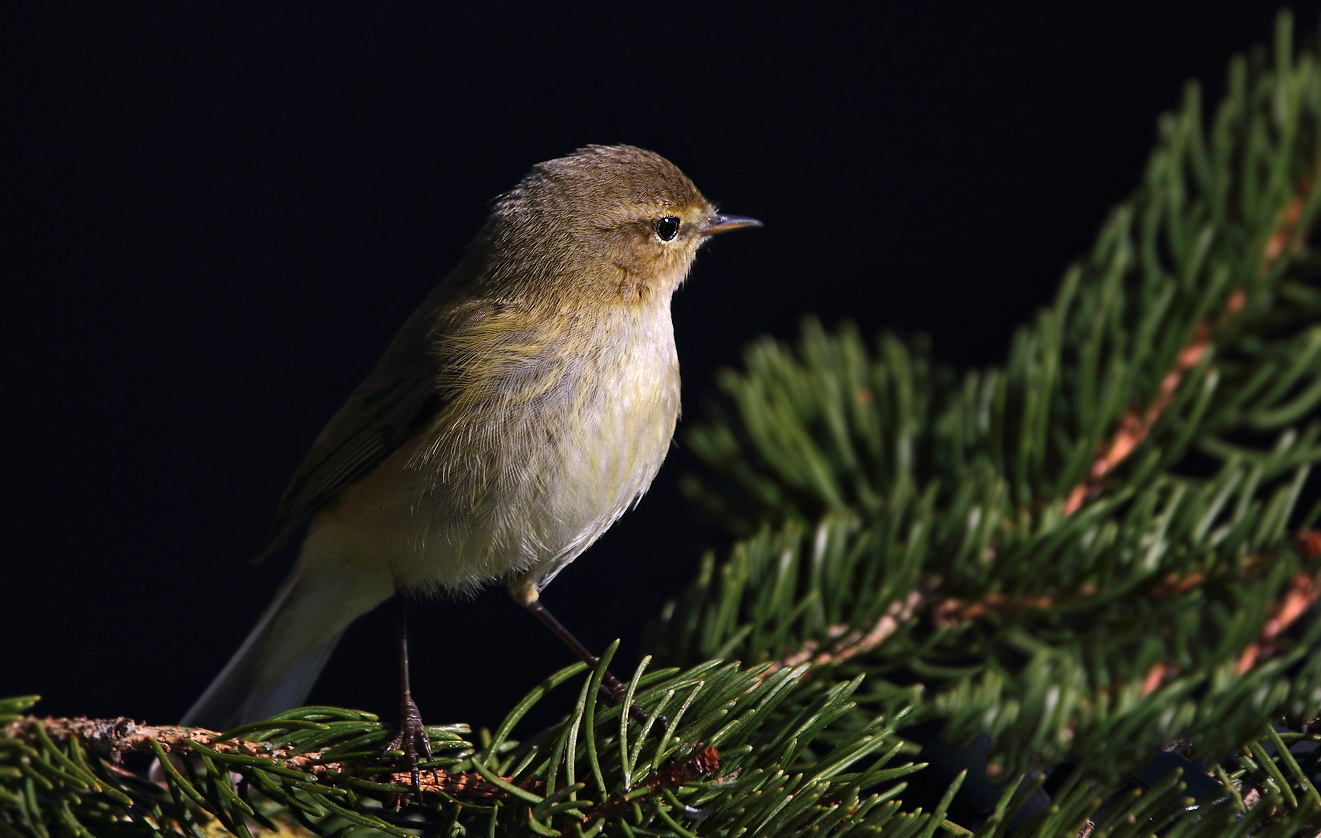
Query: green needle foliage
[1096,552]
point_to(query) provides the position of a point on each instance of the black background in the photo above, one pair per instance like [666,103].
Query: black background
[219,216]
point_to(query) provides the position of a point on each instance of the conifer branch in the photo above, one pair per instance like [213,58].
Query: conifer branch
[1134,426]
[1020,555]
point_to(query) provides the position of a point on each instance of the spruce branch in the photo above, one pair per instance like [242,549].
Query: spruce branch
[1094,557]
[1084,590]
[1134,426]
[730,745]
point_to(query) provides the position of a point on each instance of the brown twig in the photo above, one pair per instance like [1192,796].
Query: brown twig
[953,611]
[1304,592]
[112,738]
[849,641]
[1136,424]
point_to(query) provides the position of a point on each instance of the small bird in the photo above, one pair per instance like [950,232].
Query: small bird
[518,413]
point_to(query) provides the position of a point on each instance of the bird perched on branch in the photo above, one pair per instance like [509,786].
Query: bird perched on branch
[523,407]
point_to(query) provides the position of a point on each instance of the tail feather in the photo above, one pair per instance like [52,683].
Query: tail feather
[280,660]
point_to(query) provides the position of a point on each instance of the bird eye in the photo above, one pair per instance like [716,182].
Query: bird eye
[667,227]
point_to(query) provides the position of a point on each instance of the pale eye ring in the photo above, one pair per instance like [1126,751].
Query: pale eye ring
[667,228]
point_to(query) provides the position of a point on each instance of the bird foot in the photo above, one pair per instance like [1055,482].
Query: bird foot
[412,735]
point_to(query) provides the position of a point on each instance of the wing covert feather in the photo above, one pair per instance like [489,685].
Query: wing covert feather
[397,400]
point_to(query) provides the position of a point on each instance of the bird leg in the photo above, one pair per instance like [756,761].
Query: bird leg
[412,732]
[613,689]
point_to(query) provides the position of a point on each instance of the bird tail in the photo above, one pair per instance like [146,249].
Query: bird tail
[278,663]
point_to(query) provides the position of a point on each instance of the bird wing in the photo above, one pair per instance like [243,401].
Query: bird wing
[398,400]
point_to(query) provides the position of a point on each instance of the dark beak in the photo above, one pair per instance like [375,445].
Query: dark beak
[724,223]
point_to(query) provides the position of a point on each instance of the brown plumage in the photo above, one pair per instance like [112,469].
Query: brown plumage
[522,408]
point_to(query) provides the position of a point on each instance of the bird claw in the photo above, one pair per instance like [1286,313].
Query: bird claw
[412,734]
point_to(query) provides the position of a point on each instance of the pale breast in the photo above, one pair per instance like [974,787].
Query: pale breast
[529,465]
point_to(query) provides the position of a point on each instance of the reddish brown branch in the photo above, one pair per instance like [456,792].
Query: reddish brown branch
[953,610]
[1304,591]
[849,642]
[112,738]
[1308,543]
[1136,424]
[1303,594]
[1134,427]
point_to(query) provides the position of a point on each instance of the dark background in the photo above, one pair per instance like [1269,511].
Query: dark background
[219,217]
